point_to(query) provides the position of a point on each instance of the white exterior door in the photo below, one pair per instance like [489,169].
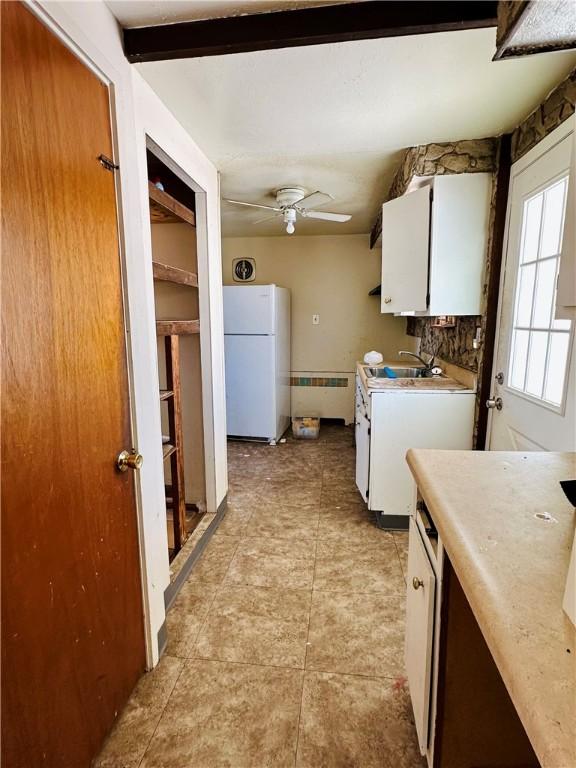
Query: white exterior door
[535,365]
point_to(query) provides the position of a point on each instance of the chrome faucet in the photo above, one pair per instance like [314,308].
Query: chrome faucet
[427,365]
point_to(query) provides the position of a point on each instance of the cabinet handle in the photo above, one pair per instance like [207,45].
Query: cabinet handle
[387,299]
[417,583]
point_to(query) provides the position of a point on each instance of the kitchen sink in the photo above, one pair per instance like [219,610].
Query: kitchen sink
[401,373]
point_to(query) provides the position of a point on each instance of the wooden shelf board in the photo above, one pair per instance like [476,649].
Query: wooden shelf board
[168,450]
[165,209]
[177,327]
[174,274]
[165,394]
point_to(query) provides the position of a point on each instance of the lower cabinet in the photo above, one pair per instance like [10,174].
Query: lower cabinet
[420,606]
[388,423]
[463,713]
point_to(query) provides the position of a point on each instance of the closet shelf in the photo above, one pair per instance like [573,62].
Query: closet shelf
[168,450]
[165,209]
[166,393]
[177,327]
[174,274]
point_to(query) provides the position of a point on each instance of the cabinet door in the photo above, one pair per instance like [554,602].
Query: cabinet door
[419,631]
[405,247]
[362,450]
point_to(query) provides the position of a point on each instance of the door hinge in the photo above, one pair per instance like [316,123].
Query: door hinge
[369,430]
[367,493]
[105,162]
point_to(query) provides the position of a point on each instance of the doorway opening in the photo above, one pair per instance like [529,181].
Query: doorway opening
[175,270]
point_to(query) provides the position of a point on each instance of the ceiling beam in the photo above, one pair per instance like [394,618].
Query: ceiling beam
[307,26]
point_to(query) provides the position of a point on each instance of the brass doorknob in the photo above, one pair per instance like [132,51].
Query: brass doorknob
[417,583]
[127,460]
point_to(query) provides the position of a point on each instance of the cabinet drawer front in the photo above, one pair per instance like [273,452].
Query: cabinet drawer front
[420,596]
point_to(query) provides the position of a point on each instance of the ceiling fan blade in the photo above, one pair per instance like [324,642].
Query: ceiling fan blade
[325,216]
[315,198]
[267,218]
[252,205]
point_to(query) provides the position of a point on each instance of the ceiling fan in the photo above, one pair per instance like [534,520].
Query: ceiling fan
[292,202]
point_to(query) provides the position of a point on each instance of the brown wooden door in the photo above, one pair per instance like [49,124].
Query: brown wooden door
[72,624]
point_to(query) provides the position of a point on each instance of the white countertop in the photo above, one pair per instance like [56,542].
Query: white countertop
[512,566]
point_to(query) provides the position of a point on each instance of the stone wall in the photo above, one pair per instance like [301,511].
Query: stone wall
[474,156]
[556,108]
[451,344]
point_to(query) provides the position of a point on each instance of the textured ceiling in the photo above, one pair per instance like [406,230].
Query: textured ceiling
[335,117]
[133,13]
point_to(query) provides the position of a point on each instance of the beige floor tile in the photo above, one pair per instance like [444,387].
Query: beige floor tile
[257,625]
[273,563]
[340,495]
[353,524]
[359,634]
[355,722]
[401,541]
[229,716]
[235,523]
[285,522]
[339,472]
[292,491]
[212,566]
[345,567]
[127,743]
[185,617]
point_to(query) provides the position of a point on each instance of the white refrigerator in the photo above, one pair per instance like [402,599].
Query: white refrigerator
[257,358]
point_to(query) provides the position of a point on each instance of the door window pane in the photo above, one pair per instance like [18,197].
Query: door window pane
[536,363]
[524,306]
[540,344]
[531,225]
[556,368]
[553,220]
[544,298]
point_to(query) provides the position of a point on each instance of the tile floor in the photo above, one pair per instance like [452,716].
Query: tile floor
[286,643]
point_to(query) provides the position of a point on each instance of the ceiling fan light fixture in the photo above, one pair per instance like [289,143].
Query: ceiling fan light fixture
[292,202]
[289,219]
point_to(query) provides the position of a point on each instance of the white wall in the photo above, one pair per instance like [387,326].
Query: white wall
[330,276]
[92,32]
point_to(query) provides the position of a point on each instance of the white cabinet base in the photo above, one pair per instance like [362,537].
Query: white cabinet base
[403,420]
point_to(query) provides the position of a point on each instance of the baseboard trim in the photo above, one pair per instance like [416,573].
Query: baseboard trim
[174,588]
[162,638]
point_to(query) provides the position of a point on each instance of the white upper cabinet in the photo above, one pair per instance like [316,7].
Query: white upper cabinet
[434,243]
[405,245]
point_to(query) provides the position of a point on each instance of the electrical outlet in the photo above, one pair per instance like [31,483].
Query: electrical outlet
[315,319]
